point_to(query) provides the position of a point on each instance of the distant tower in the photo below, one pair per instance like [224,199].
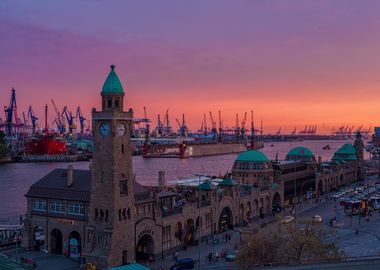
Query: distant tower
[111,222]
[359,146]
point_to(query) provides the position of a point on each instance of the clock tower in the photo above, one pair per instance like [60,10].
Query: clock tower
[110,229]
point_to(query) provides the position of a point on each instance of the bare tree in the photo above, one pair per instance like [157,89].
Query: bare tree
[287,244]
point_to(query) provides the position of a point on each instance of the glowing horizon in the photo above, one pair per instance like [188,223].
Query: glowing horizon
[294,63]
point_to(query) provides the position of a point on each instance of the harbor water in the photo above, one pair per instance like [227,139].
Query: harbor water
[16,178]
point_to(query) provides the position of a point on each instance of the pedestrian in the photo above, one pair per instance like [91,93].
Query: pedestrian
[229,237]
[34,266]
[176,256]
[209,257]
[151,259]
[357,231]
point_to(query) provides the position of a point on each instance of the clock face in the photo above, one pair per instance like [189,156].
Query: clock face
[104,129]
[121,129]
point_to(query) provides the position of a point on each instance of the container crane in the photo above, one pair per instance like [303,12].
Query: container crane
[81,118]
[70,119]
[213,124]
[59,121]
[9,112]
[204,124]
[237,127]
[220,127]
[252,132]
[33,119]
[242,130]
[294,131]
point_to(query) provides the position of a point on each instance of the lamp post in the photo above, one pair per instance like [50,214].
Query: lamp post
[199,220]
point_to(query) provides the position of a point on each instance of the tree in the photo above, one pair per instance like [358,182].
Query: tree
[287,244]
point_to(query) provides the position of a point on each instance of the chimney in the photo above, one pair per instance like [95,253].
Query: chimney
[70,175]
[161,179]
[319,159]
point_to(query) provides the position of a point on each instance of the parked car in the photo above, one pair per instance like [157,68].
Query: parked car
[287,219]
[317,219]
[231,256]
[182,264]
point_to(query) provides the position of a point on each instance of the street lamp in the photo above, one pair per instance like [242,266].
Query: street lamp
[199,220]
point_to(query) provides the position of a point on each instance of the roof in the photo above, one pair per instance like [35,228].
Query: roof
[207,186]
[54,186]
[227,183]
[166,193]
[300,151]
[253,156]
[346,152]
[132,266]
[112,84]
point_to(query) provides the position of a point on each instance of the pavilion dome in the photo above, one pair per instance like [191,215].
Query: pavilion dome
[112,84]
[346,152]
[252,156]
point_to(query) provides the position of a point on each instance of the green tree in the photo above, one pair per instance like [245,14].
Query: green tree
[281,244]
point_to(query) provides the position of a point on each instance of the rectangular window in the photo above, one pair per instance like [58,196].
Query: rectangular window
[124,187]
[109,103]
[57,207]
[39,205]
[116,103]
[76,209]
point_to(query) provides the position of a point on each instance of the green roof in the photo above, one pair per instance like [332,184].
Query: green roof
[346,152]
[112,84]
[227,183]
[206,186]
[346,149]
[132,266]
[275,186]
[253,156]
[300,151]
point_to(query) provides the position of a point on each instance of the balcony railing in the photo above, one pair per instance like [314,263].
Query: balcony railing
[172,211]
[204,204]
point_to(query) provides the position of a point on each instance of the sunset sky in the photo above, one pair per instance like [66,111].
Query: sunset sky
[292,62]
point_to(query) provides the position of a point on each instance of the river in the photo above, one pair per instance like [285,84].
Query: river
[16,178]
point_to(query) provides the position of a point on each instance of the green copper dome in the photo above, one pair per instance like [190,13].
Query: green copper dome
[346,152]
[252,156]
[300,151]
[112,84]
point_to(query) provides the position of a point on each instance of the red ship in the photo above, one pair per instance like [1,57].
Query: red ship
[46,145]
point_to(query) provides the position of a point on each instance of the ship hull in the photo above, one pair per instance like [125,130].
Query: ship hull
[194,150]
[45,146]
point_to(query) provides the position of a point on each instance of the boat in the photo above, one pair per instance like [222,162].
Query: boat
[326,147]
[46,144]
[186,150]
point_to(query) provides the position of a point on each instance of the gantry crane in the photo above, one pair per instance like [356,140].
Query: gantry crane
[33,119]
[81,118]
[69,118]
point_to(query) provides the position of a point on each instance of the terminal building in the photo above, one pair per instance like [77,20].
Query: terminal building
[104,216]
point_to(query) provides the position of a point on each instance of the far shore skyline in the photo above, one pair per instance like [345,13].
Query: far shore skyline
[294,63]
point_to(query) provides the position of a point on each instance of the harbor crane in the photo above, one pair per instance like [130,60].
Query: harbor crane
[33,119]
[10,112]
[242,129]
[279,131]
[220,127]
[81,118]
[159,124]
[69,118]
[204,124]
[59,121]
[252,132]
[294,131]
[213,124]
[237,127]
